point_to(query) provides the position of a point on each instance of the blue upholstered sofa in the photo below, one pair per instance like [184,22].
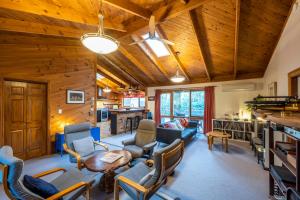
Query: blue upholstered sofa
[168,135]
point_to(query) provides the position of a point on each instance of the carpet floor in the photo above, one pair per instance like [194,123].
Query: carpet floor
[202,174]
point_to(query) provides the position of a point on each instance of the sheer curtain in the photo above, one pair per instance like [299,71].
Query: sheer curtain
[157,106]
[209,108]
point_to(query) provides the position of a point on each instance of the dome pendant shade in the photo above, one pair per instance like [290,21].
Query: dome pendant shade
[107,90]
[177,78]
[99,42]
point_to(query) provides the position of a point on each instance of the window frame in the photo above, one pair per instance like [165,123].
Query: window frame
[139,101]
[171,92]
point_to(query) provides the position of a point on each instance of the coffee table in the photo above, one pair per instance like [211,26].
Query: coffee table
[96,165]
[217,134]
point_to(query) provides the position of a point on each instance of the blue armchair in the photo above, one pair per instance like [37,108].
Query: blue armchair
[71,184]
[75,133]
[144,179]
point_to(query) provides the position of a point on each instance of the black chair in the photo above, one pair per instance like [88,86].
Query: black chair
[129,121]
[137,120]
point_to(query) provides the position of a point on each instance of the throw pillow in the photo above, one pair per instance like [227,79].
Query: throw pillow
[40,187]
[183,122]
[178,124]
[84,146]
[186,124]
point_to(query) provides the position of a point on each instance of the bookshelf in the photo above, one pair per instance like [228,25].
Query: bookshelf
[238,130]
[291,170]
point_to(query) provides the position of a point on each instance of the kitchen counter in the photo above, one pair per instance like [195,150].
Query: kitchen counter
[126,111]
[119,118]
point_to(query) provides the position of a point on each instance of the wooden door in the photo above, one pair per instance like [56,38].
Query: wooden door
[25,118]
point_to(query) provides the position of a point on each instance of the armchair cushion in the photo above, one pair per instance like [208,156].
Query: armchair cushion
[39,186]
[84,146]
[135,151]
[130,141]
[72,177]
[136,174]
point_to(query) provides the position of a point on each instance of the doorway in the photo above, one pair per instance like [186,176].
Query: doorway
[25,118]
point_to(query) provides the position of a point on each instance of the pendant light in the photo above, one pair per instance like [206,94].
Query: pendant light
[107,89]
[99,42]
[177,78]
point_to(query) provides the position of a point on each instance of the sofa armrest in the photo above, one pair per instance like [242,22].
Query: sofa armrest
[193,124]
[130,141]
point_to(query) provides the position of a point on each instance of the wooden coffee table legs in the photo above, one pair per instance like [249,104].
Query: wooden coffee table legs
[210,141]
[107,181]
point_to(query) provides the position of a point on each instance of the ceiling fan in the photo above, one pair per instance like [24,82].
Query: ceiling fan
[153,35]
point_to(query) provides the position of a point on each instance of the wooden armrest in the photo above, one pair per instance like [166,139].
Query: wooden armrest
[133,184]
[73,153]
[101,144]
[45,173]
[69,190]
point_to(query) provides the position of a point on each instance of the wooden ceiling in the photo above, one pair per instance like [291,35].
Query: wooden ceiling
[217,40]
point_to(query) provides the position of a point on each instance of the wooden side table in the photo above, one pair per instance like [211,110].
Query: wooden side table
[217,134]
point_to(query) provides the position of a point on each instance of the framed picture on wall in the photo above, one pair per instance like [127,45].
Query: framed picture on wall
[272,89]
[75,97]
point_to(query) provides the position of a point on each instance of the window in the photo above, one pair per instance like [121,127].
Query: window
[134,102]
[165,104]
[157,46]
[187,103]
[197,103]
[181,103]
[184,103]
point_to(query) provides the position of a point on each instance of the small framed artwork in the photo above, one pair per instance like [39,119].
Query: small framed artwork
[75,97]
[151,98]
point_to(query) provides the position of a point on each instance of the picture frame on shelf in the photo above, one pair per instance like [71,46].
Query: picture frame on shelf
[75,97]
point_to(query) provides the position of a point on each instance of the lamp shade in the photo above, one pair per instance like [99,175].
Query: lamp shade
[99,43]
[106,89]
[177,78]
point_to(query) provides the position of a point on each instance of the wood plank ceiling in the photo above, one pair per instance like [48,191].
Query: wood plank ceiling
[217,40]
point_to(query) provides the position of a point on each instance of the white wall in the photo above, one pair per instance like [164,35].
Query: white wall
[225,102]
[286,57]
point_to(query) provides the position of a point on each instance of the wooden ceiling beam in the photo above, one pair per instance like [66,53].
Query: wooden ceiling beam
[103,85]
[43,8]
[130,7]
[111,76]
[150,56]
[173,53]
[19,26]
[122,70]
[166,12]
[199,36]
[137,63]
[236,37]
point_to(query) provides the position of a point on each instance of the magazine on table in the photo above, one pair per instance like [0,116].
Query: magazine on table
[111,157]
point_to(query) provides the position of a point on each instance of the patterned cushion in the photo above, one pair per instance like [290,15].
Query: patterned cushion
[184,122]
[178,124]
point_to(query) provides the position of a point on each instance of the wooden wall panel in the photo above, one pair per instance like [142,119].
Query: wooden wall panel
[62,67]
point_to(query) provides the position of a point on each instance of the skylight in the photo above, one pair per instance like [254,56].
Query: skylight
[157,46]
[99,76]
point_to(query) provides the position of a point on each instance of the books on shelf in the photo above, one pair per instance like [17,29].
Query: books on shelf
[111,157]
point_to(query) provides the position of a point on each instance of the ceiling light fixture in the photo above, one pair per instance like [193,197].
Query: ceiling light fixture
[107,89]
[177,78]
[99,42]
